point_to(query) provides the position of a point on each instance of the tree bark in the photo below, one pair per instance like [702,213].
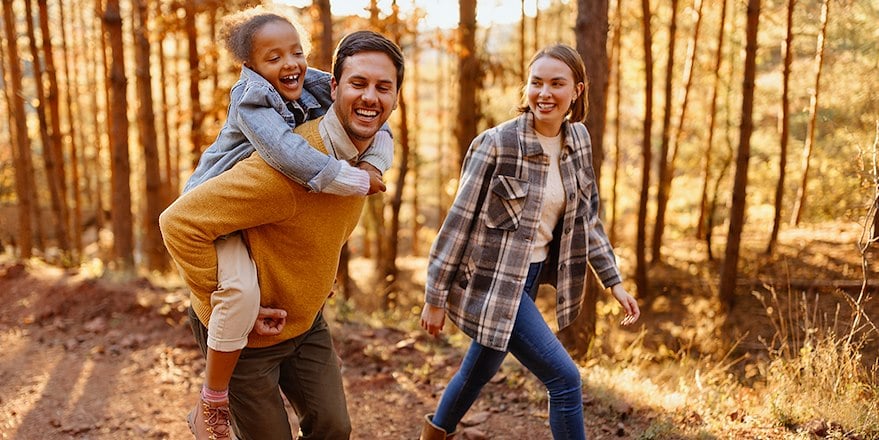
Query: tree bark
[712,118]
[663,168]
[469,77]
[153,248]
[21,150]
[120,167]
[591,29]
[618,77]
[50,161]
[813,119]
[194,77]
[641,280]
[787,48]
[664,192]
[324,59]
[72,90]
[55,144]
[729,269]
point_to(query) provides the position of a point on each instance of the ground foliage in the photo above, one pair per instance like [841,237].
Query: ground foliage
[101,358]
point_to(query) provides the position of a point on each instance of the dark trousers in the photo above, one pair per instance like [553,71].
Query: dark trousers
[305,368]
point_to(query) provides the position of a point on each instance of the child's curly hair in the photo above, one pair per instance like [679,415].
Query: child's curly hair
[237,29]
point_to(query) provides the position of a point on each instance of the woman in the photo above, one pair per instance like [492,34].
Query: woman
[526,211]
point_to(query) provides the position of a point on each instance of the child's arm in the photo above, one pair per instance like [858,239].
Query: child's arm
[289,152]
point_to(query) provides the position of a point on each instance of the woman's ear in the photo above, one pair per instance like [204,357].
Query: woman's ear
[580,88]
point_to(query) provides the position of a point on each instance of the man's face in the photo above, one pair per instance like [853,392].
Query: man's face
[365,95]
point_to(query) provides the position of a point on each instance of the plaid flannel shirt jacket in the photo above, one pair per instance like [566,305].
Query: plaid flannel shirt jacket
[480,257]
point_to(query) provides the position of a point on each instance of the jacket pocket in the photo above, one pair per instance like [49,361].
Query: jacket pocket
[506,202]
[585,183]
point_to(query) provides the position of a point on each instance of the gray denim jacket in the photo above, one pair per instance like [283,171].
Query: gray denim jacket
[260,119]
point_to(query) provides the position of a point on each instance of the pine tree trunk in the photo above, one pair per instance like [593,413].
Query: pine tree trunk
[194,76]
[787,48]
[813,119]
[120,167]
[164,126]
[324,59]
[663,167]
[591,29]
[712,118]
[21,150]
[729,270]
[57,151]
[617,47]
[153,248]
[72,90]
[641,280]
[469,77]
[50,160]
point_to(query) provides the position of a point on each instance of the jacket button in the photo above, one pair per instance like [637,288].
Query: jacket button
[568,230]
[561,267]
[571,197]
[565,156]
[561,300]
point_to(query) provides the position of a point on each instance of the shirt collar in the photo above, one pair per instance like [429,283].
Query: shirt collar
[335,138]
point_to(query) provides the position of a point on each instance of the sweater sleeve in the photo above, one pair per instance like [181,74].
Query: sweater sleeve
[381,153]
[248,195]
[285,151]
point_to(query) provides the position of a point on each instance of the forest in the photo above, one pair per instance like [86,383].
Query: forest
[735,143]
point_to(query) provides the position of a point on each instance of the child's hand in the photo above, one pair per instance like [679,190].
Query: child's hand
[375,178]
[270,321]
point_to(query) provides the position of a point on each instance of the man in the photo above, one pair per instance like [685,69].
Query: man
[295,238]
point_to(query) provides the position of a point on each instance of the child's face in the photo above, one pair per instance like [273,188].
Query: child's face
[277,55]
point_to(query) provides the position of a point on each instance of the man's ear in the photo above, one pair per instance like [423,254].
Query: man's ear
[333,87]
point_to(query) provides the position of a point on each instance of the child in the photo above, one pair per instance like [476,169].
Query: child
[276,92]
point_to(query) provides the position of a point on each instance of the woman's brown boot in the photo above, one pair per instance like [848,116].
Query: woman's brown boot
[433,432]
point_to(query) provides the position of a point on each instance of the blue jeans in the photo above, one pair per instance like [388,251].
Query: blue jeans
[539,350]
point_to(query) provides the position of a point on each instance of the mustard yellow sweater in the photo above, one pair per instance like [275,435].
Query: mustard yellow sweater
[294,237]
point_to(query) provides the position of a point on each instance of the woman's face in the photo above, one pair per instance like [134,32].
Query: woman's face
[551,90]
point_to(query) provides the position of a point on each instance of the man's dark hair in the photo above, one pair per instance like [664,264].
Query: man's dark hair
[367,41]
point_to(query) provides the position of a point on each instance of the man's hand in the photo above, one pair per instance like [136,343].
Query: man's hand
[270,321]
[376,184]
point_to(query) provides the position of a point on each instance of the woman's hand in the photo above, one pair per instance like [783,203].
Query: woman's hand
[432,319]
[628,302]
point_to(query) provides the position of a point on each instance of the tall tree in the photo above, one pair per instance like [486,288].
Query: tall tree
[641,280]
[469,77]
[664,191]
[55,145]
[813,118]
[120,167]
[666,132]
[164,126]
[784,123]
[50,162]
[729,270]
[72,88]
[195,134]
[617,79]
[154,250]
[591,30]
[591,33]
[324,59]
[712,118]
[523,58]
[21,151]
